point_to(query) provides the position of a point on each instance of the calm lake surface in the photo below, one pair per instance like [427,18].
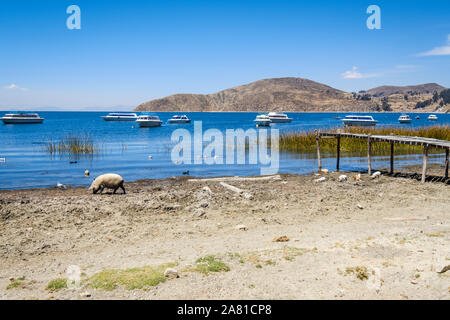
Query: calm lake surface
[126,148]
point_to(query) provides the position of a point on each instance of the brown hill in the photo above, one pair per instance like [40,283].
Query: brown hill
[286,94]
[383,91]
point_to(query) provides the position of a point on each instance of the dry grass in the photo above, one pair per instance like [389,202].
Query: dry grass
[304,142]
[72,144]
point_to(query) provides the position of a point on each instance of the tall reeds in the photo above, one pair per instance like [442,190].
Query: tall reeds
[74,145]
[304,142]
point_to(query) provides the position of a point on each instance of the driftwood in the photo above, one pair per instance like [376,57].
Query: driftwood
[407,219]
[276,177]
[241,192]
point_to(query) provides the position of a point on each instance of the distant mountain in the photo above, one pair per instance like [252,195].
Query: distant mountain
[300,95]
[281,94]
[384,91]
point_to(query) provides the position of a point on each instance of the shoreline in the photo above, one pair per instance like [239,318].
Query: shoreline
[416,168]
[307,112]
[395,229]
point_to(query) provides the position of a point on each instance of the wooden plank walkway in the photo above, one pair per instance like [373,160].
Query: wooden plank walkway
[422,141]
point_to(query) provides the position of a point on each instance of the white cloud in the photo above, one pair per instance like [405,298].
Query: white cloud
[355,74]
[14,86]
[438,51]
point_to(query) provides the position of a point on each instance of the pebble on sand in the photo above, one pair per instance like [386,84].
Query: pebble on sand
[171,273]
[281,239]
[241,227]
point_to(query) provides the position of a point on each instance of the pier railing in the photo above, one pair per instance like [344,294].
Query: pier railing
[427,143]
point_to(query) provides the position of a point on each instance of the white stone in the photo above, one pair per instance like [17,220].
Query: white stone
[171,273]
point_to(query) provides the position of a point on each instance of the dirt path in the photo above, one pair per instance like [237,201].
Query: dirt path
[385,239]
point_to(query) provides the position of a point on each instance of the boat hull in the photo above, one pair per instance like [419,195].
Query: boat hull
[106,118]
[22,121]
[405,121]
[359,123]
[262,123]
[149,124]
[179,121]
[278,120]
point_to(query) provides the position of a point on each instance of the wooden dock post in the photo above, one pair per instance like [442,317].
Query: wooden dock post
[392,158]
[369,148]
[338,158]
[424,167]
[319,161]
[446,162]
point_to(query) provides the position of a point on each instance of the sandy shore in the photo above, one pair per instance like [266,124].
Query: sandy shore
[375,239]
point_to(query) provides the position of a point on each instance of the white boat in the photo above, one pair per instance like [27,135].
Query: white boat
[355,120]
[149,121]
[120,116]
[277,117]
[21,118]
[180,119]
[432,117]
[262,120]
[404,118]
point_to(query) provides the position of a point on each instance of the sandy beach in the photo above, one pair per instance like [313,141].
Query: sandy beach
[285,237]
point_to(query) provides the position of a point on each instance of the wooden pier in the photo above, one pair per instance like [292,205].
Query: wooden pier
[427,143]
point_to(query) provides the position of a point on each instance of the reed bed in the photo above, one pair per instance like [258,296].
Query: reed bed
[305,142]
[74,145]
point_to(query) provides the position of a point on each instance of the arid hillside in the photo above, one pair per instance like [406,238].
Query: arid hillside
[287,94]
[384,91]
[303,95]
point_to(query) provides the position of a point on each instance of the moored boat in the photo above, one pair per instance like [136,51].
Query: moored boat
[432,117]
[21,118]
[277,117]
[179,119]
[356,120]
[262,120]
[149,121]
[404,118]
[120,116]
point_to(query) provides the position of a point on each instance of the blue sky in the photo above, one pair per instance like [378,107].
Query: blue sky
[128,52]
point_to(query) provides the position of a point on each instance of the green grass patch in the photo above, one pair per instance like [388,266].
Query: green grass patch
[57,284]
[130,279]
[209,264]
[15,284]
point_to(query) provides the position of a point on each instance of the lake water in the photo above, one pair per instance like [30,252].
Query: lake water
[126,148]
